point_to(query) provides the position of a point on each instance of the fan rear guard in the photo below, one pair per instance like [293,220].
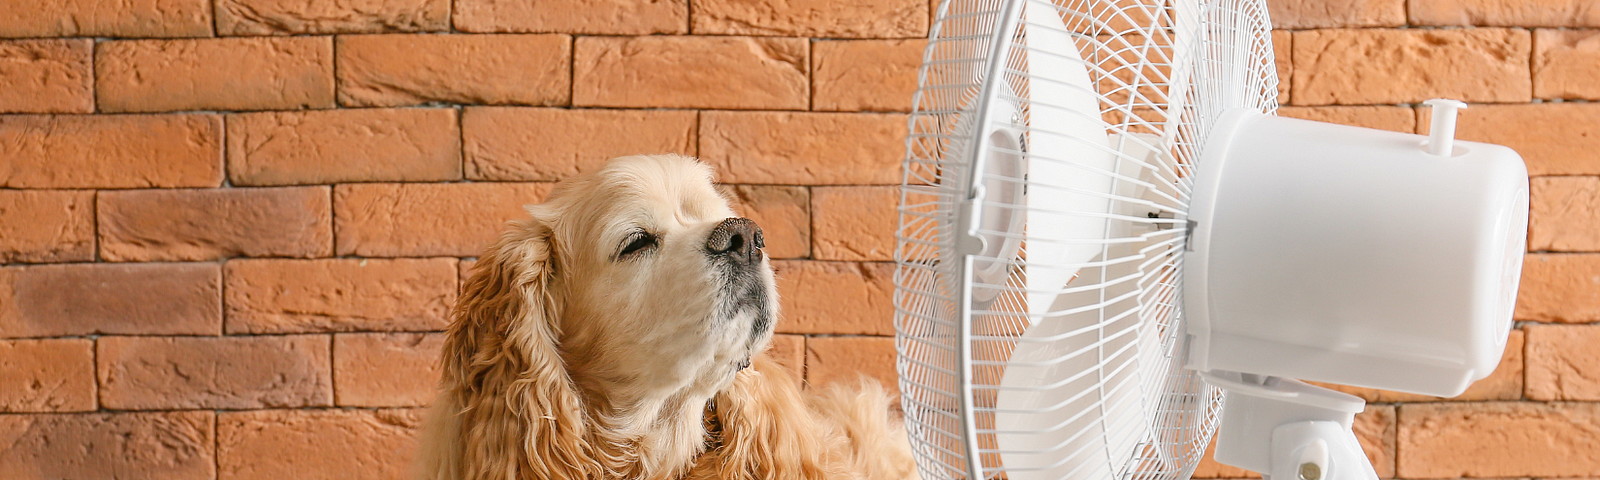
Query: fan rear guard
[1117,401]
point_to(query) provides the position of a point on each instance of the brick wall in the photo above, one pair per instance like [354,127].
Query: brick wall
[231,229]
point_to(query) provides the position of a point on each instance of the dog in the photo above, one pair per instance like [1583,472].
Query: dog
[618,333]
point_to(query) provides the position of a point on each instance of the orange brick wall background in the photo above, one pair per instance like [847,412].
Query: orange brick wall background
[231,229]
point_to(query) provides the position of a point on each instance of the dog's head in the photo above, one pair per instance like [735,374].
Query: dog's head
[631,291]
[661,285]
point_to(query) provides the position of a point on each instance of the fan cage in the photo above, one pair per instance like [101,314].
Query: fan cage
[1163,72]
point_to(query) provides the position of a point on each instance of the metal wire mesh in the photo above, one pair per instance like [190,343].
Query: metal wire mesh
[1077,374]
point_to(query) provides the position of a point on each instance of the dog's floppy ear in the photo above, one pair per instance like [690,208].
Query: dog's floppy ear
[520,415]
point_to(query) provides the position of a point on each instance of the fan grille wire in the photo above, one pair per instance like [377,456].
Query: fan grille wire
[1165,69]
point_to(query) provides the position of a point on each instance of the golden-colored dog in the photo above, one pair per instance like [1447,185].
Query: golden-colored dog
[609,337]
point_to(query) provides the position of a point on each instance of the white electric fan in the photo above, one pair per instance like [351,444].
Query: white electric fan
[1110,248]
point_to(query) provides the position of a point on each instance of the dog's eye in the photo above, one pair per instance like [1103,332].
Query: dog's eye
[636,243]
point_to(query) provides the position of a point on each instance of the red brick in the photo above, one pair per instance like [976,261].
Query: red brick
[417,220]
[1449,440]
[139,373]
[1505,13]
[46,226]
[316,444]
[108,298]
[804,148]
[550,144]
[1566,64]
[592,17]
[855,223]
[1553,138]
[1564,214]
[47,76]
[812,18]
[464,270]
[1363,66]
[1559,287]
[395,70]
[156,225]
[848,359]
[340,295]
[1563,363]
[1391,118]
[1375,429]
[1505,383]
[284,17]
[108,18]
[286,73]
[331,146]
[865,75]
[691,72]
[782,212]
[386,369]
[1306,14]
[165,445]
[836,297]
[789,351]
[54,375]
[110,151]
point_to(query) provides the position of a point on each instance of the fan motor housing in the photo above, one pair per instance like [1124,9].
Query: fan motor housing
[1351,255]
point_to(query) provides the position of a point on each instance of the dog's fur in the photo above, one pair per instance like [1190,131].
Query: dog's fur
[566,359]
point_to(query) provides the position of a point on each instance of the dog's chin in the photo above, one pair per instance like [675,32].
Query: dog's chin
[748,298]
[751,315]
[747,302]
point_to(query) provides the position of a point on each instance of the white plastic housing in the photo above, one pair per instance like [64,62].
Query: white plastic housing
[1273,425]
[1350,255]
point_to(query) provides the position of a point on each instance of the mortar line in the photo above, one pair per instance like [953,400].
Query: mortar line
[1533,51]
[333,374]
[94,77]
[811,80]
[333,218]
[94,217]
[333,50]
[222,298]
[216,444]
[572,72]
[805,363]
[94,356]
[461,141]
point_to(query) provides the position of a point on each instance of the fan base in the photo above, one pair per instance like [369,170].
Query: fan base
[1288,430]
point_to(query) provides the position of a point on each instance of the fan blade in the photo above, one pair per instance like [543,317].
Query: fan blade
[1069,163]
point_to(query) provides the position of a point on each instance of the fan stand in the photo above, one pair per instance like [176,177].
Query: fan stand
[1288,429]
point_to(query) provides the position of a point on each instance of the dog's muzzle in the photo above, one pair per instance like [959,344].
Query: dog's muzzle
[735,246]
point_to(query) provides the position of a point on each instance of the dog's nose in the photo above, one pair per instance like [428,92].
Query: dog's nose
[738,239]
